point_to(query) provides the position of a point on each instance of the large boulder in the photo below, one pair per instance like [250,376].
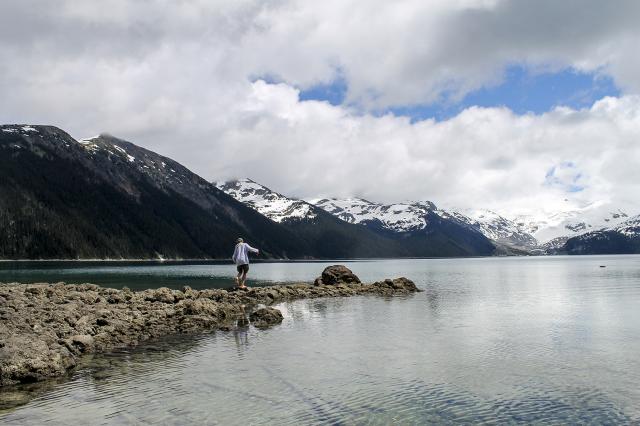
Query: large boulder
[265,317]
[337,274]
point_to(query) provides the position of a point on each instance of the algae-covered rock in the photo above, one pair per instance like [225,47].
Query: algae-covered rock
[400,285]
[266,317]
[162,294]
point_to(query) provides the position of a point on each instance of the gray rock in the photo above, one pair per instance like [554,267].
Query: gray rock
[80,342]
[161,294]
[337,274]
[400,285]
[265,317]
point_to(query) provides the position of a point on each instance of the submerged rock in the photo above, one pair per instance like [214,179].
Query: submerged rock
[45,328]
[13,399]
[265,317]
[337,274]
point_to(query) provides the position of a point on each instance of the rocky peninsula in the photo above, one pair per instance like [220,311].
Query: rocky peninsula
[45,328]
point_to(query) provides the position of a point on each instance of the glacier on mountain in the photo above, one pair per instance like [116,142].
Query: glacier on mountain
[275,206]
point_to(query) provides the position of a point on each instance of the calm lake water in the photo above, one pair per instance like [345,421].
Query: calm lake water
[551,340]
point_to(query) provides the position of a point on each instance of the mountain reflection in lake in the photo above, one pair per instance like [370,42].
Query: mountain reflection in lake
[528,340]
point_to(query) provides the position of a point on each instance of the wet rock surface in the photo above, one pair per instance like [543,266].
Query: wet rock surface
[265,317]
[45,328]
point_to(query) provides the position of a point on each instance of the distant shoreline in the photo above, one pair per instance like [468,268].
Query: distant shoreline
[355,259]
[223,261]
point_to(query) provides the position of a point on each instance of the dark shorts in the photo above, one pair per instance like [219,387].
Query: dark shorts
[243,268]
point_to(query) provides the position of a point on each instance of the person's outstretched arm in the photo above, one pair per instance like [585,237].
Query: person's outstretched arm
[252,250]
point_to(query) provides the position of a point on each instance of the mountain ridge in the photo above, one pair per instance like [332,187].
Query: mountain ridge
[510,236]
[420,231]
[104,197]
[623,238]
[61,199]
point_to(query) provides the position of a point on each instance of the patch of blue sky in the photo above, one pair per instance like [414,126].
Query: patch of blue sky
[524,92]
[521,90]
[334,92]
[267,78]
[575,188]
[565,176]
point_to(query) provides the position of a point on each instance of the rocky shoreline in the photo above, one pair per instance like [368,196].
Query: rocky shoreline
[45,328]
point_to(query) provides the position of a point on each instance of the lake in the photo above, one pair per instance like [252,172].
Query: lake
[551,340]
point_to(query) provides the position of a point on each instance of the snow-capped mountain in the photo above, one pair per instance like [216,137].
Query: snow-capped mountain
[544,233]
[566,224]
[399,217]
[621,238]
[275,206]
[412,216]
[495,227]
[414,229]
[630,227]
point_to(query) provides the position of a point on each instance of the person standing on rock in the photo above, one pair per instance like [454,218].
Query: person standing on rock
[241,259]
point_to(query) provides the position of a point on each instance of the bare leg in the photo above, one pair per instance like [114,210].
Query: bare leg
[243,280]
[238,279]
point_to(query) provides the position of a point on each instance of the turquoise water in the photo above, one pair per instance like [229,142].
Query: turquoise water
[551,340]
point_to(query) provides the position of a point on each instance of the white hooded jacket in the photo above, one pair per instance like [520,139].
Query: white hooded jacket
[241,253]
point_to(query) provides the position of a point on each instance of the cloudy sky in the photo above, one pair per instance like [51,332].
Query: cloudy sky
[511,105]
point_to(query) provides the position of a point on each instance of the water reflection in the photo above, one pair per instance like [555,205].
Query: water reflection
[514,341]
[241,332]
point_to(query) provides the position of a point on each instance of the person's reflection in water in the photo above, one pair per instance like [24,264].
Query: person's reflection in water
[241,331]
[433,296]
[433,299]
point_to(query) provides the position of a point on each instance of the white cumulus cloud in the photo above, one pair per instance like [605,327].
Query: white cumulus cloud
[187,79]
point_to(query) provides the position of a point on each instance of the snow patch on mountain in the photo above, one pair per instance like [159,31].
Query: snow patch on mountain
[131,158]
[398,217]
[493,226]
[630,227]
[412,216]
[621,238]
[567,224]
[14,128]
[166,172]
[273,205]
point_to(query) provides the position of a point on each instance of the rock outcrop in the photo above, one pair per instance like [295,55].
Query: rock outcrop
[337,274]
[45,328]
[397,285]
[265,317]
